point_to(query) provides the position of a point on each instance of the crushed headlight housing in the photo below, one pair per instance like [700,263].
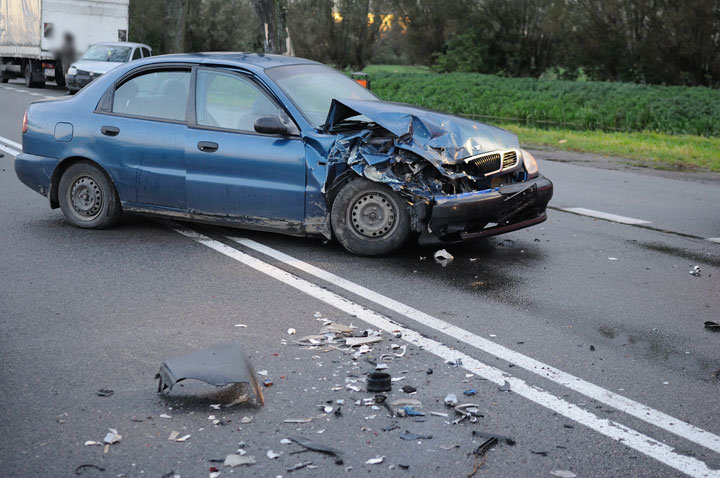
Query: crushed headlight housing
[530,164]
[72,71]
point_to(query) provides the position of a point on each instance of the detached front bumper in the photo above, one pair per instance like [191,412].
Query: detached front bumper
[487,213]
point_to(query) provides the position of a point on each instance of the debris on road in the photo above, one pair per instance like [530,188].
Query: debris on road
[319,447]
[563,474]
[92,443]
[409,411]
[375,461]
[409,389]
[378,382]
[291,331]
[505,387]
[355,341]
[695,271]
[273,455]
[506,439]
[219,365]
[104,392]
[470,392]
[712,326]
[414,436]
[165,415]
[298,466]
[233,460]
[451,400]
[112,437]
[443,257]
[88,466]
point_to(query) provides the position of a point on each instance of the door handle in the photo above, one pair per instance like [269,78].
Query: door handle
[207,146]
[110,130]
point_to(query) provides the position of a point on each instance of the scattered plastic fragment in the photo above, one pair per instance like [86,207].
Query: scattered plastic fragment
[505,387]
[263,372]
[215,406]
[443,257]
[439,414]
[165,415]
[391,427]
[335,328]
[612,258]
[104,392]
[409,389]
[246,419]
[712,326]
[402,354]
[92,443]
[506,439]
[563,473]
[470,392]
[378,382]
[233,460]
[267,382]
[112,437]
[315,446]
[272,454]
[173,435]
[291,331]
[355,341]
[541,453]
[451,400]
[411,412]
[219,365]
[298,466]
[695,271]
[241,325]
[401,402]
[375,461]
[414,436]
[89,466]
[183,438]
[352,387]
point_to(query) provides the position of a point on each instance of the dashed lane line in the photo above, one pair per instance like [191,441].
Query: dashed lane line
[611,429]
[604,215]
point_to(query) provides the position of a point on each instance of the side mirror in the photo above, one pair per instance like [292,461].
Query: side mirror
[270,125]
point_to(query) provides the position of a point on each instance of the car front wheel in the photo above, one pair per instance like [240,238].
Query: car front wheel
[87,197]
[370,219]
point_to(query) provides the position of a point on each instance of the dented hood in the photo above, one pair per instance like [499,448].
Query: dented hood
[439,137]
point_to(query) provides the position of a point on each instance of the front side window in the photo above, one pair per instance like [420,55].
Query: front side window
[226,100]
[112,53]
[157,94]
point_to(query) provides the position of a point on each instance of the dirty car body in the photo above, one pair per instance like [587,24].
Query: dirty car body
[238,139]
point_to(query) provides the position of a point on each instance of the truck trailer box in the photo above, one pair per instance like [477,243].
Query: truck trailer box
[37,35]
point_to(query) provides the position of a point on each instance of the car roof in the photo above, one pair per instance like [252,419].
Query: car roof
[121,43]
[253,60]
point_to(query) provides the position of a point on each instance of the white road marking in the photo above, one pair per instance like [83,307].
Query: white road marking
[624,404]
[604,215]
[33,93]
[714,239]
[614,430]
[9,150]
[10,143]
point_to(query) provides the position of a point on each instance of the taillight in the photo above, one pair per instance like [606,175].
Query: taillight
[25,123]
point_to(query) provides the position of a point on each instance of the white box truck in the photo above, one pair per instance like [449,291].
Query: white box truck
[37,35]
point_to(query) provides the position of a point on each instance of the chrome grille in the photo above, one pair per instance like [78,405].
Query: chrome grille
[487,163]
[509,159]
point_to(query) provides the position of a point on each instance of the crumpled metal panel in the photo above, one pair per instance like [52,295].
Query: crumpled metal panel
[219,365]
[20,23]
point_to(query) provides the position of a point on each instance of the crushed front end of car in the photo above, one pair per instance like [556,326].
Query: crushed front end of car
[462,179]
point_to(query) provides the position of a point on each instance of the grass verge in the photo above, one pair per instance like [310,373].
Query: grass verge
[657,150]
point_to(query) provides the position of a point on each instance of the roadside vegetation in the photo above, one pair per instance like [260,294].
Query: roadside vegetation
[660,126]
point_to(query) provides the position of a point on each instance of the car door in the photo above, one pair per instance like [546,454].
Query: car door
[143,136]
[233,171]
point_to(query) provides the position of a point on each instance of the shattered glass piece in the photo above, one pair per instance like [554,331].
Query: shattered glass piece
[233,460]
[219,365]
[451,400]
[273,455]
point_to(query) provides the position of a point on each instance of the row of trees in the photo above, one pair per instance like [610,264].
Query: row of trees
[653,41]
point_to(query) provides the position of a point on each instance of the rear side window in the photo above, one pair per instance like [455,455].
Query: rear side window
[226,100]
[158,94]
[136,54]
[145,52]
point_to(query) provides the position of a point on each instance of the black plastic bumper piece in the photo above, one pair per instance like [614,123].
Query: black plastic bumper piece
[511,207]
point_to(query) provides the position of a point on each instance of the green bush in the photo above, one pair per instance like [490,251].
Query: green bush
[588,105]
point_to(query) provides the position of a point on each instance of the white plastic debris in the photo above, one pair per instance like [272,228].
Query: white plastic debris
[165,415]
[375,461]
[211,417]
[92,442]
[291,331]
[443,257]
[439,414]
[352,387]
[234,459]
[173,435]
[246,419]
[262,372]
[112,436]
[354,341]
[695,271]
[563,473]
[241,325]
[215,406]
[612,258]
[272,455]
[451,400]
[285,441]
[183,438]
[328,409]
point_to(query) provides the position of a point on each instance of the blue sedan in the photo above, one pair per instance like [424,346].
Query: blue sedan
[275,143]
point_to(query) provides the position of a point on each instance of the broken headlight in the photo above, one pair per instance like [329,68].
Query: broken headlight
[530,164]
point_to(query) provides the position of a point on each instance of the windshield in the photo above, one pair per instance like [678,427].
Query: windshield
[313,87]
[107,53]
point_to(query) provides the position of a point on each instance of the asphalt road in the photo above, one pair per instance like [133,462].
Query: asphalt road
[595,326]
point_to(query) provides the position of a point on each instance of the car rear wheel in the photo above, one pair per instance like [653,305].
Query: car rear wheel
[370,219]
[87,197]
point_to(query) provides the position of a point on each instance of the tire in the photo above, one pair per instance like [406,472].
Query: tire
[87,197]
[28,75]
[59,75]
[370,219]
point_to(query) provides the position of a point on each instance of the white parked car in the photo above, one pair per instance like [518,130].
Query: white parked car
[101,58]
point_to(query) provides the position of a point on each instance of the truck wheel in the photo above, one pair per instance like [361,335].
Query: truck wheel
[87,197]
[28,75]
[370,219]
